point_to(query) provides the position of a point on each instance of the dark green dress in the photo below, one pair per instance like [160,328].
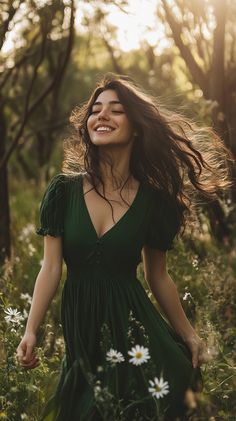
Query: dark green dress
[104,306]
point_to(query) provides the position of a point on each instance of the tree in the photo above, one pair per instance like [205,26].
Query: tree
[198,29]
[38,60]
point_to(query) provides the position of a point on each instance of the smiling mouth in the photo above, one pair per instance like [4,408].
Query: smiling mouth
[104,129]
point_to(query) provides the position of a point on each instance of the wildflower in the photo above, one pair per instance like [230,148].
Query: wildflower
[114,356]
[13,330]
[195,263]
[139,355]
[25,314]
[26,232]
[187,295]
[159,388]
[97,388]
[60,342]
[26,297]
[32,249]
[13,316]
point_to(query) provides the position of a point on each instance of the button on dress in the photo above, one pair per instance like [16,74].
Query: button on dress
[104,306]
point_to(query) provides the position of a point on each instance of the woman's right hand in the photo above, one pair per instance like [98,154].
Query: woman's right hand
[25,351]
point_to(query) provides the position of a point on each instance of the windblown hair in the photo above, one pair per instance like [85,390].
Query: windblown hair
[170,152]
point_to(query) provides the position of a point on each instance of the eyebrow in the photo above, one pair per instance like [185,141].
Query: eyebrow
[110,102]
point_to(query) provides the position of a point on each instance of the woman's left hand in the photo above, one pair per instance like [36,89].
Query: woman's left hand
[197,348]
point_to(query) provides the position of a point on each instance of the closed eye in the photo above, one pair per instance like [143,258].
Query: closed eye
[113,111]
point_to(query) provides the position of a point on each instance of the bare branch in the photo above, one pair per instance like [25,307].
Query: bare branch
[117,67]
[18,63]
[26,108]
[186,54]
[5,25]
[38,101]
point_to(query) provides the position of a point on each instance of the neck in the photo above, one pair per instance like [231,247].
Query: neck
[114,167]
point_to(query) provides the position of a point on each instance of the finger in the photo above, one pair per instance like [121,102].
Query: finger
[20,351]
[31,365]
[29,361]
[29,353]
[26,362]
[19,356]
[205,356]
[195,358]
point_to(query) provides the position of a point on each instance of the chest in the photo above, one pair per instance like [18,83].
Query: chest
[116,244]
[106,214]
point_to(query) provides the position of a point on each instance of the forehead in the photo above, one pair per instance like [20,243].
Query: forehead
[107,96]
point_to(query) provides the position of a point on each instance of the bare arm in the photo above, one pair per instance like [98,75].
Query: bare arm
[165,292]
[45,289]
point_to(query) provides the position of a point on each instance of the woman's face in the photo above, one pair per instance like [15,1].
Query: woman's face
[108,124]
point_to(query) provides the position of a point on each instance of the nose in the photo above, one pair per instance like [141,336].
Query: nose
[103,114]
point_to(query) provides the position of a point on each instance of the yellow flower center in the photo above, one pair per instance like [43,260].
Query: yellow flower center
[158,389]
[139,355]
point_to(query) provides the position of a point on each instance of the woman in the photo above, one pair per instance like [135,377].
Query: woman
[122,198]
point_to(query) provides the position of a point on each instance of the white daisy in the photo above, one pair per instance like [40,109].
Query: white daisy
[114,356]
[139,355]
[159,388]
[187,296]
[13,316]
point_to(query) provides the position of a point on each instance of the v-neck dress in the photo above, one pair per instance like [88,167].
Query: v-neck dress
[104,306]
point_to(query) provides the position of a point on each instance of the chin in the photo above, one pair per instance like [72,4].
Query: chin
[108,142]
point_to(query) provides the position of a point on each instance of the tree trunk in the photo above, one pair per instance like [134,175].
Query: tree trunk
[5,246]
[217,221]
[213,86]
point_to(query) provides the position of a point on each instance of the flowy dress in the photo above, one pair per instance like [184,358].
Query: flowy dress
[123,360]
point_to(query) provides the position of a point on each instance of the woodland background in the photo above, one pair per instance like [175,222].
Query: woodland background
[51,55]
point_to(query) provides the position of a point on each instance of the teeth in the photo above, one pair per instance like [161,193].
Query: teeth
[102,129]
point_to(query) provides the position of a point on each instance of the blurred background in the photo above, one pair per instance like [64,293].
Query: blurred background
[52,53]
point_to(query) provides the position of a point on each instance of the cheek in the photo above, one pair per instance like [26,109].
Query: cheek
[127,127]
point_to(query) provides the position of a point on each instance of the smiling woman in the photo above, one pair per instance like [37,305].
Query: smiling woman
[121,199]
[108,122]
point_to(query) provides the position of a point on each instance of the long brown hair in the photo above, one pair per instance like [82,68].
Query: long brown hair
[170,152]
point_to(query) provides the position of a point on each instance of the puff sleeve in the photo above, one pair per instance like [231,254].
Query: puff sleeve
[164,223]
[51,212]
